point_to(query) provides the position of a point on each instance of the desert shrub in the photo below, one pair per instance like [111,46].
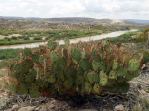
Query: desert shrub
[142,36]
[125,38]
[26,38]
[84,68]
[131,37]
[14,38]
[37,38]
[6,32]
[7,38]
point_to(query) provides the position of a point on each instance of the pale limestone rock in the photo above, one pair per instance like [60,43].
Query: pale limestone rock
[119,107]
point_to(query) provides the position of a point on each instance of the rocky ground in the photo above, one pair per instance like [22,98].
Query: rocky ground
[136,99]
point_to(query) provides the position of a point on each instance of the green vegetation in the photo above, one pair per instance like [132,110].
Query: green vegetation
[9,53]
[7,32]
[61,34]
[13,42]
[125,38]
[38,36]
[85,68]
[139,39]
[9,36]
[131,37]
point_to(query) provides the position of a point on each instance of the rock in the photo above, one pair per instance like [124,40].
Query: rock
[42,108]
[3,102]
[15,107]
[28,108]
[37,109]
[119,107]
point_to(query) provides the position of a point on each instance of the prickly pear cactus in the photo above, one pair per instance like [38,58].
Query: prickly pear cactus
[54,57]
[121,72]
[87,88]
[76,55]
[92,77]
[112,75]
[106,43]
[95,65]
[133,65]
[84,68]
[97,88]
[103,78]
[84,64]
[83,53]
[115,65]
[52,78]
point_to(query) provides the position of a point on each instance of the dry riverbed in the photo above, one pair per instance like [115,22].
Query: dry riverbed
[61,42]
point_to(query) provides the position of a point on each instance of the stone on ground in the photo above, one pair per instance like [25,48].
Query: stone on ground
[119,107]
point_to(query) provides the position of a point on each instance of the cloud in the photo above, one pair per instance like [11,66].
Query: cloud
[71,8]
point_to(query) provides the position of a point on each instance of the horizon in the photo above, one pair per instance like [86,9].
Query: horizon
[99,9]
[70,17]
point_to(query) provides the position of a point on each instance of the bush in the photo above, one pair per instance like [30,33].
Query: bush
[14,38]
[142,36]
[25,38]
[7,38]
[37,38]
[125,38]
[85,68]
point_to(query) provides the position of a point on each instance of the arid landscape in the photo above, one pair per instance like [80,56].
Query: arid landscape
[133,36]
[82,56]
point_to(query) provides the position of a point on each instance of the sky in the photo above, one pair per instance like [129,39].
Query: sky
[114,9]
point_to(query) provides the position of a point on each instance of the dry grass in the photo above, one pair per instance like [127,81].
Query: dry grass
[5,81]
[3,72]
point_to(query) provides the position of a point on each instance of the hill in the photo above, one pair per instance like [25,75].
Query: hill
[140,22]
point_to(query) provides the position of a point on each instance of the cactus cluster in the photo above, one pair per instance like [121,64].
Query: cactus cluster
[83,68]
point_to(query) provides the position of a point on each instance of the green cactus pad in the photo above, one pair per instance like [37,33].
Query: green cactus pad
[96,89]
[133,65]
[103,78]
[112,75]
[87,87]
[84,64]
[76,55]
[115,65]
[53,56]
[95,65]
[92,77]
[121,72]
[52,78]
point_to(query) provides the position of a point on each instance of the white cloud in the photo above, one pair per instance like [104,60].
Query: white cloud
[70,8]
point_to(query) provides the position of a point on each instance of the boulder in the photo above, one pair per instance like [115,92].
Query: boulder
[119,107]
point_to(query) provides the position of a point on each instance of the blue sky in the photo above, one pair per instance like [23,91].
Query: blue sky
[116,9]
